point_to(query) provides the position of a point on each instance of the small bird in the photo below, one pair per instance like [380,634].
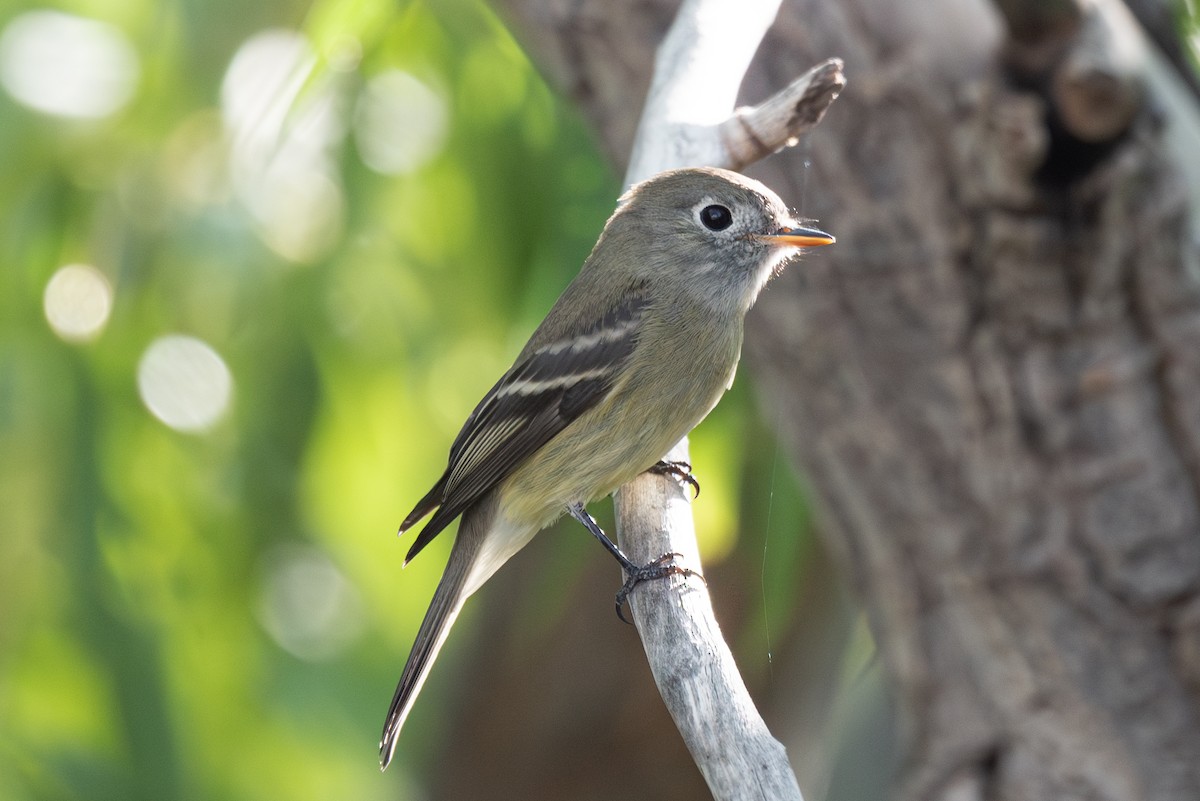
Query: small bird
[636,351]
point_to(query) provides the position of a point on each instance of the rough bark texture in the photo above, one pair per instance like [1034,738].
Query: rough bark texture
[992,381]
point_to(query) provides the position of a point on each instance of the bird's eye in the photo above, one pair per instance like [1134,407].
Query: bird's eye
[716,218]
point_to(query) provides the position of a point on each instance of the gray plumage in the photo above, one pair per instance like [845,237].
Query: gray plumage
[636,351]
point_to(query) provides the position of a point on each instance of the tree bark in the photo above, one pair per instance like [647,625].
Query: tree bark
[992,381]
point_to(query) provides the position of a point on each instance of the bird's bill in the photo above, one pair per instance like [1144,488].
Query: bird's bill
[800,237]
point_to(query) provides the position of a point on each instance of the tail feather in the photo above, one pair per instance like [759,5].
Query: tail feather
[431,501]
[447,602]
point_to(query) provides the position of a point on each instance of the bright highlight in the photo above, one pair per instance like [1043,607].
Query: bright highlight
[77,302]
[184,383]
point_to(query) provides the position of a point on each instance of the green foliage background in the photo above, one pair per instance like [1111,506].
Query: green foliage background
[136,560]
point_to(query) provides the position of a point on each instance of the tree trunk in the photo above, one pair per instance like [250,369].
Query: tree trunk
[992,381]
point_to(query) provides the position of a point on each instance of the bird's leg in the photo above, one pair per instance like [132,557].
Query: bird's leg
[579,513]
[681,471]
[661,567]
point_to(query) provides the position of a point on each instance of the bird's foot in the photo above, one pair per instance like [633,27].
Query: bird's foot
[661,567]
[680,470]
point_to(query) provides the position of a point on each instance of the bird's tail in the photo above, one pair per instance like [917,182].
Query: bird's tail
[447,602]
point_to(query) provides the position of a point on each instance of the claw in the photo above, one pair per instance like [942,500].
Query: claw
[681,471]
[661,567]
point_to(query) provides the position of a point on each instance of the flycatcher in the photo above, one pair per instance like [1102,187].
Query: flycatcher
[636,351]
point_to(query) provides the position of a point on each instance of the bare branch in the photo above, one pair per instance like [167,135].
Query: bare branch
[755,132]
[688,121]
[692,666]
[697,73]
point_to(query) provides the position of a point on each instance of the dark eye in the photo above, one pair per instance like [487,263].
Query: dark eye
[716,218]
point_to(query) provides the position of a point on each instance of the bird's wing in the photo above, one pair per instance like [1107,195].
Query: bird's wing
[535,400]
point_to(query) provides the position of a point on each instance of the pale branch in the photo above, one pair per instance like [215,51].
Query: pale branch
[697,73]
[689,120]
[755,132]
[747,135]
[692,666]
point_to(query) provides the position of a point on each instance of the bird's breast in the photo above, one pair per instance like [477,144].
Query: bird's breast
[675,378]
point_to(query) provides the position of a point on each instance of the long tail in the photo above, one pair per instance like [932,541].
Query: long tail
[448,600]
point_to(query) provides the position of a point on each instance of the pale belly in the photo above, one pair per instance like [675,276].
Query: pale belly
[569,469]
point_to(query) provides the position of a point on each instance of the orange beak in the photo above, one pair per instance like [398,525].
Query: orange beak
[800,237]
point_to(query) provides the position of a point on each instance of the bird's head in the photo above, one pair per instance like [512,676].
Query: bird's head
[716,233]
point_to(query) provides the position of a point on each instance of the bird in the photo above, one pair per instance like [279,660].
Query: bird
[637,350]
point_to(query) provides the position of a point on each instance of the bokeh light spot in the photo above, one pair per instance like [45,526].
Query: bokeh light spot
[77,302]
[284,132]
[400,123]
[184,383]
[260,86]
[67,66]
[307,605]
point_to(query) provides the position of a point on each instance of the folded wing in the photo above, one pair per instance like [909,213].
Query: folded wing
[534,401]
